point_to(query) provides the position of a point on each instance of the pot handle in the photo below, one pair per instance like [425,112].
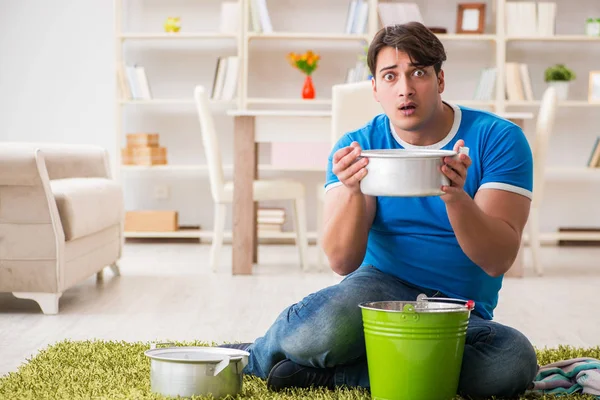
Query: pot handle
[461,150]
[241,364]
[215,369]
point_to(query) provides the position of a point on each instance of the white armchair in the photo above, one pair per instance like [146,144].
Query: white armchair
[61,218]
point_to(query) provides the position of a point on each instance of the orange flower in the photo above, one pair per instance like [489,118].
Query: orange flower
[306,62]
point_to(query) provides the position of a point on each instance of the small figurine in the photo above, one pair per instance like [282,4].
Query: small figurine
[172,24]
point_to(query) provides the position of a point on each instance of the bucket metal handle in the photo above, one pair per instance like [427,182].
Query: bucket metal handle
[409,312]
[469,304]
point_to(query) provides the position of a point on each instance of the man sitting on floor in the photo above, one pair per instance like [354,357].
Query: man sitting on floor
[456,245]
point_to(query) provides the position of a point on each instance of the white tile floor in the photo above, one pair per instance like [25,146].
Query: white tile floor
[167,292]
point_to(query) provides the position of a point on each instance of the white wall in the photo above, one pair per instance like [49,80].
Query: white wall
[57,84]
[56,63]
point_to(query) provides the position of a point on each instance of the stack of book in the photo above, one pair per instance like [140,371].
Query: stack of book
[133,82]
[356,20]
[487,83]
[358,73]
[143,149]
[225,80]
[518,82]
[530,18]
[270,220]
[260,21]
[391,13]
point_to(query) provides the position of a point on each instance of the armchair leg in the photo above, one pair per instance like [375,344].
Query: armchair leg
[48,302]
[115,269]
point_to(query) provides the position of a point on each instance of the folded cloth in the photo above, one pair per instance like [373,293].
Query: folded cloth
[569,376]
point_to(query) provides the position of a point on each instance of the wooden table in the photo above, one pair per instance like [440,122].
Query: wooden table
[267,126]
[250,128]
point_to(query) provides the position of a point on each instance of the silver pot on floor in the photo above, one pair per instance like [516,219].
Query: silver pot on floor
[195,371]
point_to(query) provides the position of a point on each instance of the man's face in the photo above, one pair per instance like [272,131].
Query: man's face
[408,95]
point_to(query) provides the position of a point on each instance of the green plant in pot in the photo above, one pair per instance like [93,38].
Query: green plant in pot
[559,77]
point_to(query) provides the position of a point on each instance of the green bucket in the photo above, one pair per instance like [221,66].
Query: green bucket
[415,348]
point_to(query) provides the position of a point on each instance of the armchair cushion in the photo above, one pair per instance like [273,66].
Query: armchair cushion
[87,205]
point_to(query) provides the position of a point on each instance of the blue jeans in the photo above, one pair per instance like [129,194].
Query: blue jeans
[324,330]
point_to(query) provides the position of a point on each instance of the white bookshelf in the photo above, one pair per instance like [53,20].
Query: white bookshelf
[245,38]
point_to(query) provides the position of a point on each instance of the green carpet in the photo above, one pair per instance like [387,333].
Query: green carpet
[119,370]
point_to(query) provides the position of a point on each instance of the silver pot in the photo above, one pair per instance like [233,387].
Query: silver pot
[405,172]
[195,371]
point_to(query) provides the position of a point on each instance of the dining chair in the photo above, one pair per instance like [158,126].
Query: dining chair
[352,106]
[543,131]
[263,190]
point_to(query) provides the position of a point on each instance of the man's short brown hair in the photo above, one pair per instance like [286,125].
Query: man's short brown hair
[422,46]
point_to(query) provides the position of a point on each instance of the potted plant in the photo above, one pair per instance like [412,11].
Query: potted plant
[306,63]
[559,76]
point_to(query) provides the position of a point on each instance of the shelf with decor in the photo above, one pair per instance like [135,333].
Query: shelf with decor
[226,167]
[251,39]
[527,35]
[187,101]
[287,101]
[175,36]
[554,38]
[206,235]
[467,37]
[563,103]
[307,36]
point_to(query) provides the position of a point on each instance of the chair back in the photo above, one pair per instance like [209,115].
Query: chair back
[210,142]
[353,105]
[543,131]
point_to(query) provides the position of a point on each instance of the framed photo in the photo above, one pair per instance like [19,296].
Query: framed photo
[594,87]
[470,18]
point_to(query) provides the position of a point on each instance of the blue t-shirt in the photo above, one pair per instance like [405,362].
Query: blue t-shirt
[411,237]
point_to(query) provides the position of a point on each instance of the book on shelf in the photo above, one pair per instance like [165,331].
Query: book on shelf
[399,13]
[594,160]
[358,15]
[225,80]
[133,82]
[260,21]
[271,212]
[230,17]
[518,82]
[270,219]
[487,84]
[530,18]
[358,73]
